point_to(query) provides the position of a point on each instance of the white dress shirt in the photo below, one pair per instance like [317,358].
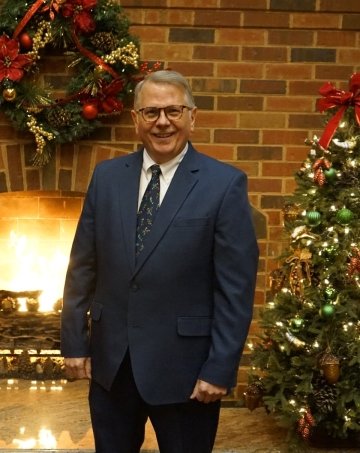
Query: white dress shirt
[168,170]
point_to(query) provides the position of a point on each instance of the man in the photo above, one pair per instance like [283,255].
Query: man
[170,304]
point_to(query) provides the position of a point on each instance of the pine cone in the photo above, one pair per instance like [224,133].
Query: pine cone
[104,41]
[58,117]
[325,399]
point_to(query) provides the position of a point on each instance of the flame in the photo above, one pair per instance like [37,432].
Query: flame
[35,268]
[45,439]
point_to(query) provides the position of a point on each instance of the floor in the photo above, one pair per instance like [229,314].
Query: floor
[53,417]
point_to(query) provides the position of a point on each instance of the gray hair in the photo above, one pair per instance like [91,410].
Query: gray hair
[165,76]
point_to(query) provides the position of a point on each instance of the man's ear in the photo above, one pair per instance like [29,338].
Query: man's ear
[135,118]
[193,116]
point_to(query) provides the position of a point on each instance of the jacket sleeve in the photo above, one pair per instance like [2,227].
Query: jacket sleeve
[80,283]
[235,267]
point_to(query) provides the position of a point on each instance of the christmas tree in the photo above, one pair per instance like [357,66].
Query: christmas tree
[306,364]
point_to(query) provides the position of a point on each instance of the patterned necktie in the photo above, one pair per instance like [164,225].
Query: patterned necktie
[148,208]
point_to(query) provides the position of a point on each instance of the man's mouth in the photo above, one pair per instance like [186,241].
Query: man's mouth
[163,135]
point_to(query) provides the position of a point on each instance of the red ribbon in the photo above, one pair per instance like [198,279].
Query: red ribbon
[341,99]
[31,11]
[94,58]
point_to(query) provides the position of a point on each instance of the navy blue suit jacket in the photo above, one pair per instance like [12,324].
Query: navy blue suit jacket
[183,308]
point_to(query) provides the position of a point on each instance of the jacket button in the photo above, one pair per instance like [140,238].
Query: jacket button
[134,287]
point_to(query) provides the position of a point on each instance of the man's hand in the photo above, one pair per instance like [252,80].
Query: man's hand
[207,393]
[77,368]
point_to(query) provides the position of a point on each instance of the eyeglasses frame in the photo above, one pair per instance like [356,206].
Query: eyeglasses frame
[140,111]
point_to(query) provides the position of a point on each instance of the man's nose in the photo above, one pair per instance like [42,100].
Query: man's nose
[163,119]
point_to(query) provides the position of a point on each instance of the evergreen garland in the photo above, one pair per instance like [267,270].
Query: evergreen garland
[104,58]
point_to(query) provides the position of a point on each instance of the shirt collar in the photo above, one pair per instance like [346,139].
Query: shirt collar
[168,168]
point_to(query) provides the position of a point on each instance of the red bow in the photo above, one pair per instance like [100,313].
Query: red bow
[341,99]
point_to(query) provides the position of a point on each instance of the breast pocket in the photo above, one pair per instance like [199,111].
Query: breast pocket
[183,222]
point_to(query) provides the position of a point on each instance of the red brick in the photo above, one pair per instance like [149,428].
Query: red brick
[265,185]
[220,19]
[348,56]
[240,70]
[315,20]
[262,120]
[288,71]
[283,137]
[264,53]
[289,104]
[221,152]
[216,53]
[335,38]
[291,37]
[335,5]
[241,36]
[236,136]
[263,19]
[279,169]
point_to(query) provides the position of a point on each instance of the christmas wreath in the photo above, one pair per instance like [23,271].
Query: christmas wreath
[94,34]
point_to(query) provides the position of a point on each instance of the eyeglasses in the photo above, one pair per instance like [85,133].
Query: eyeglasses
[172,112]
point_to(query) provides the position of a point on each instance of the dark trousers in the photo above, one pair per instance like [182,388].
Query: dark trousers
[118,419]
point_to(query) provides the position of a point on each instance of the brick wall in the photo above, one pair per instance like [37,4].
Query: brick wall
[255,67]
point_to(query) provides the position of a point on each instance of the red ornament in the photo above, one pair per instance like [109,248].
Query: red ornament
[26,41]
[90,111]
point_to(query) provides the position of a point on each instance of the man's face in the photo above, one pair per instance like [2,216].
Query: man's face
[163,138]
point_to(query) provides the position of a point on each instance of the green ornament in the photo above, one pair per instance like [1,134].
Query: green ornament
[329,252]
[344,216]
[313,218]
[327,310]
[330,174]
[330,293]
[297,324]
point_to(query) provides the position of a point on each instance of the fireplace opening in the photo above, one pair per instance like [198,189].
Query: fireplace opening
[36,233]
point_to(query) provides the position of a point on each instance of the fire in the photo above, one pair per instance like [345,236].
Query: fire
[45,440]
[31,266]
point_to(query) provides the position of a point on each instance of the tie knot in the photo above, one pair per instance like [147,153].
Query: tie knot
[155,170]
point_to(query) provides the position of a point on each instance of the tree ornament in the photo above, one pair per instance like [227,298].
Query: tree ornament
[313,218]
[277,280]
[327,311]
[253,395]
[353,265]
[291,212]
[344,216]
[330,293]
[296,324]
[300,270]
[97,33]
[324,397]
[330,366]
[9,94]
[294,340]
[90,111]
[330,174]
[26,41]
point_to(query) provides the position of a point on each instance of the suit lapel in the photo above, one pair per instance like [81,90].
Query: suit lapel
[129,202]
[184,180]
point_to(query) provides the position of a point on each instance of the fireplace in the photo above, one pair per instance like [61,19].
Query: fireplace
[36,232]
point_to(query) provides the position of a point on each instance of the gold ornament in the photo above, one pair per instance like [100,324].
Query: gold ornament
[291,212]
[277,280]
[330,365]
[9,94]
[300,270]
